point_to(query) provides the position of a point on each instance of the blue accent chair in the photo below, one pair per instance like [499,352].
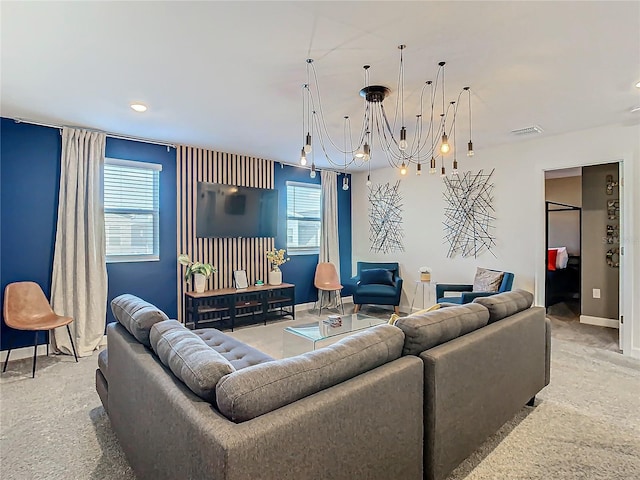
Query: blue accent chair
[467,293]
[377,294]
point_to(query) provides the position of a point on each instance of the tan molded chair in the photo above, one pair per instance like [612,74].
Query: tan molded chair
[27,308]
[327,280]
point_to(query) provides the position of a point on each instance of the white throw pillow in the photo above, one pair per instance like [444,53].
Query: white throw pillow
[562,258]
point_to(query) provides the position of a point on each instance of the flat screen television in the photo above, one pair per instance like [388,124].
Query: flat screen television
[230,211]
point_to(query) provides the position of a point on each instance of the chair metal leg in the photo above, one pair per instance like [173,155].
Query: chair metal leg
[35,353]
[72,345]
[340,300]
[4,369]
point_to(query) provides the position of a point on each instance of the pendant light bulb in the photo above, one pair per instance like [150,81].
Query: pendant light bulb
[307,144]
[444,147]
[303,157]
[403,169]
[443,172]
[345,183]
[419,169]
[455,168]
[470,149]
[366,152]
[368,180]
[432,166]
[403,139]
[312,174]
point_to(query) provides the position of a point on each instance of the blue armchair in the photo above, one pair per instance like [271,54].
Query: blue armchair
[467,293]
[377,284]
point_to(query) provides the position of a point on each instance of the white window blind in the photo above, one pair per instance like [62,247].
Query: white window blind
[131,210]
[303,218]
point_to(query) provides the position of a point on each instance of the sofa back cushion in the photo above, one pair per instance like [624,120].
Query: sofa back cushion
[426,330]
[137,316]
[506,304]
[391,266]
[194,362]
[253,391]
[377,276]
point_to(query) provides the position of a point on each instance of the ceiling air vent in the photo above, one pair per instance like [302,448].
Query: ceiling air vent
[533,129]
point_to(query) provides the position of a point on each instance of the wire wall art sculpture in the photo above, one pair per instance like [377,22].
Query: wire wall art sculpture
[385,218]
[469,214]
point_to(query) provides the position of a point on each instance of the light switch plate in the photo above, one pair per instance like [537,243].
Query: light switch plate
[596,293]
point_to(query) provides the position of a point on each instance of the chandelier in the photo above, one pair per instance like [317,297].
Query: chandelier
[429,143]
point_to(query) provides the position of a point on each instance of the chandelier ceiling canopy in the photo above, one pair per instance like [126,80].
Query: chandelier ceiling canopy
[425,136]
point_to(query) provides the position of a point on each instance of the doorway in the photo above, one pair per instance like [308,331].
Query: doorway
[582,232]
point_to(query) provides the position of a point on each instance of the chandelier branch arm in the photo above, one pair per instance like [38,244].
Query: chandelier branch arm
[318,112]
[378,129]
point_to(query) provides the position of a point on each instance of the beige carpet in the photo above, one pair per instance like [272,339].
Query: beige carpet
[585,425]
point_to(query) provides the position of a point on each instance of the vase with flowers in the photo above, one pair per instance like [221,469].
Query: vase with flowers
[199,271]
[276,258]
[425,274]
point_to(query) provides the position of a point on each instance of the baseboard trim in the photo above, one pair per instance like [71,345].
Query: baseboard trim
[600,321]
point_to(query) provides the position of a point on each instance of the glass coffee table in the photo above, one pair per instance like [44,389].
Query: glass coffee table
[310,336]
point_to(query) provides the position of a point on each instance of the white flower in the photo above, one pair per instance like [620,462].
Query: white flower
[425,270]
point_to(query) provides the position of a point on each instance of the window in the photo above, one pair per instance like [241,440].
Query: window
[131,210]
[303,218]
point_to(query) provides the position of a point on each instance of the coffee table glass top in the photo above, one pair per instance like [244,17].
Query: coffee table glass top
[350,323]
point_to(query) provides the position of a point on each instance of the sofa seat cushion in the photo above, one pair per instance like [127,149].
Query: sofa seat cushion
[196,364]
[103,363]
[239,354]
[137,316]
[450,301]
[253,391]
[505,304]
[377,290]
[427,330]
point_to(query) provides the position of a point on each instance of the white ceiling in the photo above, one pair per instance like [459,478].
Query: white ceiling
[228,75]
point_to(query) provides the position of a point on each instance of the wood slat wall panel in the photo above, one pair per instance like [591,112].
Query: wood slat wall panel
[227,254]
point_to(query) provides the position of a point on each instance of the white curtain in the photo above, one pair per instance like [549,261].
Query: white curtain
[329,247]
[79,283]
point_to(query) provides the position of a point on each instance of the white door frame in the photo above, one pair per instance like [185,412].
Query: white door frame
[626,260]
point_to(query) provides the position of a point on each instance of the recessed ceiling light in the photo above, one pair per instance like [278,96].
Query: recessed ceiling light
[139,107]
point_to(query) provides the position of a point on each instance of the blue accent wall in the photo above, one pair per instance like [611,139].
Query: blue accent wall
[29,183]
[155,282]
[300,270]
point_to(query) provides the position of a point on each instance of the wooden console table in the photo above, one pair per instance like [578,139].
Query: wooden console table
[230,304]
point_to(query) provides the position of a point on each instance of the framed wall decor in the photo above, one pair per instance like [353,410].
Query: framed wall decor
[240,279]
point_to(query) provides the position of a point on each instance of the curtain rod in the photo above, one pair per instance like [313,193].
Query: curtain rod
[108,134]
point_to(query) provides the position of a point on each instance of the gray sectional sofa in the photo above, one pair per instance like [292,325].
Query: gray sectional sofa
[351,410]
[408,401]
[483,361]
